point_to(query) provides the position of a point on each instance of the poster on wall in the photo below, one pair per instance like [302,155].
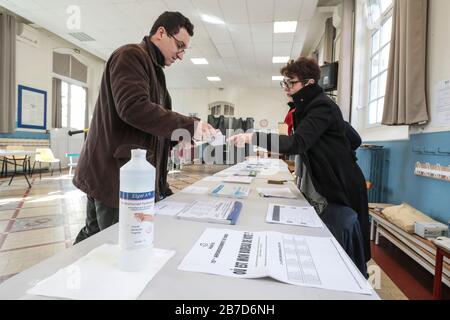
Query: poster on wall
[32,108]
[442,103]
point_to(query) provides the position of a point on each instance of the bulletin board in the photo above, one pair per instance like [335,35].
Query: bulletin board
[32,108]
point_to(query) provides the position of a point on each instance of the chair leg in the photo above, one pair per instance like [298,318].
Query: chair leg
[60,171]
[24,165]
[32,170]
[40,171]
[51,168]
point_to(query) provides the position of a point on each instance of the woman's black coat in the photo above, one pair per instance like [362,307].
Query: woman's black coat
[320,138]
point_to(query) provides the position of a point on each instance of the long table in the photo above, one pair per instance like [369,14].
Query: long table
[180,235]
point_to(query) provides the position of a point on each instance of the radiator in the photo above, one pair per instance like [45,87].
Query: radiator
[374,165]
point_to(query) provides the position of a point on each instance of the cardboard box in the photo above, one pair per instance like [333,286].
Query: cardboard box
[430,229]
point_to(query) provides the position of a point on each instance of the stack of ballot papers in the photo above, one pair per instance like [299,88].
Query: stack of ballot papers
[169,208]
[230,191]
[97,276]
[292,215]
[318,262]
[236,172]
[195,190]
[276,193]
[215,211]
[238,179]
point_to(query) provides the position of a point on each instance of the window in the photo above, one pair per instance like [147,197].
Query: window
[380,17]
[229,110]
[73,100]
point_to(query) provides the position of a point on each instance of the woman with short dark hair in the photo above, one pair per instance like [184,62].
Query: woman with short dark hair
[331,179]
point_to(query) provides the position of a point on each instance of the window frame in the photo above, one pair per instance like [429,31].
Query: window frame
[378,26]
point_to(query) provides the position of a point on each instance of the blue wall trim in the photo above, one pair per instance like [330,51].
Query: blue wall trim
[430,196]
[26,135]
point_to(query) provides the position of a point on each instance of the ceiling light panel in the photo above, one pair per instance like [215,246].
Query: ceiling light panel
[199,61]
[284,26]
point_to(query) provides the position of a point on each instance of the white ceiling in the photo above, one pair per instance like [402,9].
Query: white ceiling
[239,52]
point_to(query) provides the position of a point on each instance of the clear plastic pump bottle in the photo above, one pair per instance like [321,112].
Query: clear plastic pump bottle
[136,212]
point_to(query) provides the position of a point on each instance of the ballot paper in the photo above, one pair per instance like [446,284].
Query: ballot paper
[292,215]
[246,173]
[213,178]
[169,208]
[97,276]
[217,140]
[195,190]
[215,211]
[238,179]
[318,262]
[236,172]
[276,193]
[230,191]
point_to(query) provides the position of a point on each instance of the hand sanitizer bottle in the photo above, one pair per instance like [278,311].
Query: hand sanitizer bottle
[136,212]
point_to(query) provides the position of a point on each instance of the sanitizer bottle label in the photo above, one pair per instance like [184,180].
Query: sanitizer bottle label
[138,215]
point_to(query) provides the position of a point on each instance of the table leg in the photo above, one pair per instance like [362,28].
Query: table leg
[377,237]
[372,229]
[437,294]
[15,170]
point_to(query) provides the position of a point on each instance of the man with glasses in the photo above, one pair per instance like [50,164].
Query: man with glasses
[133,110]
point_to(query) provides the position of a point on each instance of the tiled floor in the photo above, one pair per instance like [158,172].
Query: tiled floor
[39,222]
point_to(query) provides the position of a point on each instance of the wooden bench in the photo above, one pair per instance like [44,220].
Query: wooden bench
[421,250]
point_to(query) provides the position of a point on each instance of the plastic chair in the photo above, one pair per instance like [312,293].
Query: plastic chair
[71,163]
[45,155]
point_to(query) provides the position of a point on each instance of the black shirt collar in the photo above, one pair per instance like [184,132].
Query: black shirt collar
[305,95]
[153,51]
[159,56]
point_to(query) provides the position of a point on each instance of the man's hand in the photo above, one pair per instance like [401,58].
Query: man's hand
[241,139]
[204,131]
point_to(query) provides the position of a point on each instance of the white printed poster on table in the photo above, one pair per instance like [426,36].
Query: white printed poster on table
[293,215]
[318,262]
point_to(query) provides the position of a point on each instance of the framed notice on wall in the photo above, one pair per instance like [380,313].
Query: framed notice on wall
[32,108]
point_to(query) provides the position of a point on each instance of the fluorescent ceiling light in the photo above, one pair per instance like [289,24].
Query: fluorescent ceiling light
[284,26]
[277,78]
[199,61]
[211,19]
[213,78]
[280,59]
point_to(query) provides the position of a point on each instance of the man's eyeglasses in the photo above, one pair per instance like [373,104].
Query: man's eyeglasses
[181,47]
[290,84]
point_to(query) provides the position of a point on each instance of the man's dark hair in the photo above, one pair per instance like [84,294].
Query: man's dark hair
[172,22]
[303,68]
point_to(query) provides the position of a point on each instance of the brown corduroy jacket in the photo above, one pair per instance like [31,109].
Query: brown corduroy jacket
[133,110]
